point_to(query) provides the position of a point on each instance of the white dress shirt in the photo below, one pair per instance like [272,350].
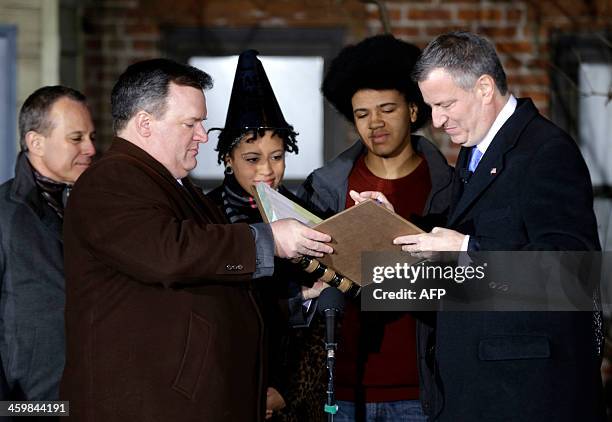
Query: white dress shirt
[483,145]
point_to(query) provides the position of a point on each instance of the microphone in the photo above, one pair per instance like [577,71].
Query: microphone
[331,305]
[465,174]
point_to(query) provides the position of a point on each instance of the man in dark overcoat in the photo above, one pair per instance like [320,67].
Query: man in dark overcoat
[521,185]
[56,138]
[162,323]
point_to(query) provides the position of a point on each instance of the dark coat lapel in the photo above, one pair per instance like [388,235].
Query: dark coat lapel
[185,194]
[459,185]
[24,191]
[206,204]
[50,219]
[492,163]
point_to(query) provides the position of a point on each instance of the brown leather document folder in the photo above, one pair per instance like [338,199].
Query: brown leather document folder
[366,227]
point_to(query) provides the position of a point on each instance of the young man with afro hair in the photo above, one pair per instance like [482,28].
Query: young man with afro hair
[369,83]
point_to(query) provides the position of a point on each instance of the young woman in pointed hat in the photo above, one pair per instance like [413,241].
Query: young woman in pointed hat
[252,146]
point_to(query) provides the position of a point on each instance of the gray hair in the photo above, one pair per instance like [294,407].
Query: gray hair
[34,114]
[465,56]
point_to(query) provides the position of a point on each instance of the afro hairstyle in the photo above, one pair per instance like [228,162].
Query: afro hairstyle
[380,62]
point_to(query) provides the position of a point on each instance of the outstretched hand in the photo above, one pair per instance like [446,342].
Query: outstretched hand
[293,239]
[439,240]
[379,197]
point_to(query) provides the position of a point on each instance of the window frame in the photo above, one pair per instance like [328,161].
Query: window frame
[8,146]
[183,43]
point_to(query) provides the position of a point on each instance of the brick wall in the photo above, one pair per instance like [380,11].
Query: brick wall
[119,32]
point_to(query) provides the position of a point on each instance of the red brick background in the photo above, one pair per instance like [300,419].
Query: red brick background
[119,32]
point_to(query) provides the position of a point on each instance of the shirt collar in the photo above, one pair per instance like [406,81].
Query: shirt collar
[501,118]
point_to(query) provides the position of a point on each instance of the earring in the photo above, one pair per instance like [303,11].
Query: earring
[228,170]
[413,114]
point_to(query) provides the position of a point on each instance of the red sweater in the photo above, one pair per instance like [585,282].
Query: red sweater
[377,350]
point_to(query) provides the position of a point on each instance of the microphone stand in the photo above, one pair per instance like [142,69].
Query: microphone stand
[331,302]
[331,407]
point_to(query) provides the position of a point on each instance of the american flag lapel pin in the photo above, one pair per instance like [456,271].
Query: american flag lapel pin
[494,170]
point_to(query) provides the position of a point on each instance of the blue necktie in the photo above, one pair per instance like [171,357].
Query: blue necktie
[474,159]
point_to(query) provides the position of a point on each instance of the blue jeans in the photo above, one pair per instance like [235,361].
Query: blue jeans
[391,411]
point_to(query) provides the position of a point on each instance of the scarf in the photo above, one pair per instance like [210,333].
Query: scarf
[238,205]
[54,193]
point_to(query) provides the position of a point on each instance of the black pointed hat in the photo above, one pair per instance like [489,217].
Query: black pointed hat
[252,107]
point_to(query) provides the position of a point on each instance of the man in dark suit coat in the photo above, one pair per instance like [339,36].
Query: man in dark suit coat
[56,137]
[529,191]
[161,320]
